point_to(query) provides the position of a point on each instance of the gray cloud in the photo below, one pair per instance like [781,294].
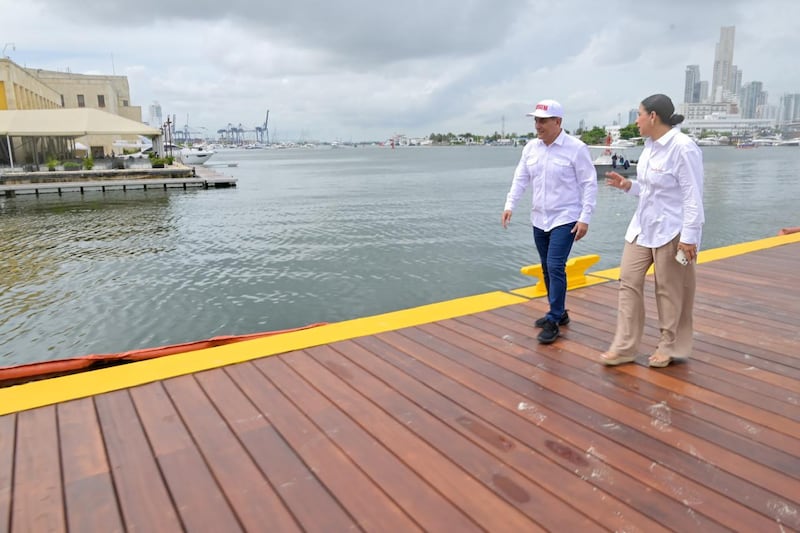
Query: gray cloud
[365,70]
[366,31]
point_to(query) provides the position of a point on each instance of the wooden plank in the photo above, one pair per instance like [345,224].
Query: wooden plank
[250,495]
[772,347]
[535,388]
[448,465]
[744,431]
[515,452]
[702,365]
[37,500]
[367,503]
[679,410]
[89,495]
[738,375]
[143,496]
[718,462]
[201,504]
[292,482]
[751,428]
[591,456]
[7,438]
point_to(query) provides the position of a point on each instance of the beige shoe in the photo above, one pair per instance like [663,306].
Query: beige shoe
[658,360]
[613,359]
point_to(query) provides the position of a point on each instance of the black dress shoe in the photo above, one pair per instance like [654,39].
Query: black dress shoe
[563,322]
[549,332]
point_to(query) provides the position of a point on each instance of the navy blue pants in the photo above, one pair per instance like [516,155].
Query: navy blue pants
[554,247]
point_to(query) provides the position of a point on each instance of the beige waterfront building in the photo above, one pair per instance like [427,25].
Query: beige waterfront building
[29,88]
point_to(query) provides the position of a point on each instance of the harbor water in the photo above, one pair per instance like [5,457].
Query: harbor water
[311,235]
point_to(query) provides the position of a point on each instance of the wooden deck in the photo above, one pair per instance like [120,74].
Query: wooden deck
[464,424]
[106,180]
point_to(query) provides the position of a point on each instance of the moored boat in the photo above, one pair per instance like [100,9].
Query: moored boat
[195,155]
[604,160]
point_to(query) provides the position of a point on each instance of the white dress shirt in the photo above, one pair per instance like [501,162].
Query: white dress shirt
[669,184]
[564,182]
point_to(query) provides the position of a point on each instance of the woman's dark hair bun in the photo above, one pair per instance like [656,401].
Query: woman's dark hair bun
[663,107]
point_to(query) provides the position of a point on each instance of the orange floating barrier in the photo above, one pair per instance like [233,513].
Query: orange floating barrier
[15,375]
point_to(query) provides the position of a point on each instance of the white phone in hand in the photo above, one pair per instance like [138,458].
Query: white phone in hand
[680,257]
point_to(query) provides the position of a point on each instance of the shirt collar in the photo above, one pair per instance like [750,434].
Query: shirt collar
[664,139]
[560,139]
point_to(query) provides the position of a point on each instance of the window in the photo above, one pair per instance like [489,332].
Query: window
[101,100]
[81,103]
[62,100]
[124,103]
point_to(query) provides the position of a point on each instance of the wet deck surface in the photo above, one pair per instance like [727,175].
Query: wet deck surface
[459,425]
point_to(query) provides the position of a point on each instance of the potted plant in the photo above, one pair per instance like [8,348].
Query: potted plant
[71,165]
[52,163]
[88,162]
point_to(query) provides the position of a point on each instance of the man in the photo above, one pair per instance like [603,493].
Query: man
[564,183]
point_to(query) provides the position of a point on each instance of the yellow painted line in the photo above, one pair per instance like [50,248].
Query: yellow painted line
[534,291]
[530,292]
[724,252]
[715,254]
[83,384]
[608,274]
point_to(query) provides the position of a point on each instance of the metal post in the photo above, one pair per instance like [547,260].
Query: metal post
[10,155]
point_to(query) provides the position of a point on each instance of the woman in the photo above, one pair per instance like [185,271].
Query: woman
[668,223]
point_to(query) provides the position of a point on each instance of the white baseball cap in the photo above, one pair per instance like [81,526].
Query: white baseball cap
[547,108]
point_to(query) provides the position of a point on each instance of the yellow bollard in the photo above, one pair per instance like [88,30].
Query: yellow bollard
[576,275]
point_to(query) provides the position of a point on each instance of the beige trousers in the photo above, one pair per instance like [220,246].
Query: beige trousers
[675,287]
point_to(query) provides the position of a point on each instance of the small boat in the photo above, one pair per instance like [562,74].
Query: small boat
[195,155]
[604,163]
[603,155]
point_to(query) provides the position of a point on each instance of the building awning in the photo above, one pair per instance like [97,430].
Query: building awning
[74,122]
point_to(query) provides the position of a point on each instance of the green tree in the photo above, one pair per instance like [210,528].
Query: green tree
[629,131]
[596,135]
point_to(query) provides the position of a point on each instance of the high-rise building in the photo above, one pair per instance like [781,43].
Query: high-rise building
[753,100]
[156,119]
[632,115]
[703,92]
[736,86]
[724,78]
[789,108]
[691,89]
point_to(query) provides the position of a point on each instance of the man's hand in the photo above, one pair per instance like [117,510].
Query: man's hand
[580,229]
[506,218]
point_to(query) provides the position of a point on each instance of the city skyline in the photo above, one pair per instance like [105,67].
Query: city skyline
[727,93]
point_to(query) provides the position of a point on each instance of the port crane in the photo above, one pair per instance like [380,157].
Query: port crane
[236,134]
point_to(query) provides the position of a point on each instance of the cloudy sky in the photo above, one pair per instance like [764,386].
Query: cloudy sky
[365,70]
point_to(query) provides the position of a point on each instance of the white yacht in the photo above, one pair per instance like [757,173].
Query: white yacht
[195,155]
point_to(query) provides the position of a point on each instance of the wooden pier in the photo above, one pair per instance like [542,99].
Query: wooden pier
[104,180]
[458,423]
